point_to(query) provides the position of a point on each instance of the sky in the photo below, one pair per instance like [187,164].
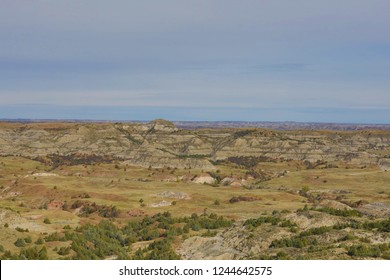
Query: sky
[216,60]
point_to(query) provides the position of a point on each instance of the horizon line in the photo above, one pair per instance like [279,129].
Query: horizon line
[184,121]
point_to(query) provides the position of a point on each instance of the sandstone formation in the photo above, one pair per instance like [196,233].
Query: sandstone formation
[160,144]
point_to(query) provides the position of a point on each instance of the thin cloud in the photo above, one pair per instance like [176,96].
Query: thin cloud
[206,54]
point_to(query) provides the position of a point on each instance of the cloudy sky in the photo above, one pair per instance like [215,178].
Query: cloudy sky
[264,60]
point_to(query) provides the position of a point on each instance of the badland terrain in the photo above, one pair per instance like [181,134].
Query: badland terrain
[72,190]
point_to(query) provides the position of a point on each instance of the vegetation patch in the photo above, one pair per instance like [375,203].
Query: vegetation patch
[236,199]
[87,208]
[56,160]
[339,212]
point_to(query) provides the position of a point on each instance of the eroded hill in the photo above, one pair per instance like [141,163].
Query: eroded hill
[153,191]
[161,144]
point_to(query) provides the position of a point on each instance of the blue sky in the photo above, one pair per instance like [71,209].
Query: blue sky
[325,61]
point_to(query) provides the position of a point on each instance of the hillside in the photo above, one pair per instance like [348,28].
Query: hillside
[160,143]
[156,191]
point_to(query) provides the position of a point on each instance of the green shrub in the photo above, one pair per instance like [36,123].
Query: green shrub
[32,253]
[21,229]
[339,212]
[315,231]
[293,242]
[364,251]
[63,251]
[20,242]
[28,239]
[39,241]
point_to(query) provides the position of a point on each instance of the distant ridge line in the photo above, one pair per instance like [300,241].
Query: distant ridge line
[283,125]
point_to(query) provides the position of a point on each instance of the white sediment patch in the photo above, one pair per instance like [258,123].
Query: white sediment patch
[176,195]
[42,175]
[161,204]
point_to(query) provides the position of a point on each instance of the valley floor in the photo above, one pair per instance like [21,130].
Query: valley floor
[270,210]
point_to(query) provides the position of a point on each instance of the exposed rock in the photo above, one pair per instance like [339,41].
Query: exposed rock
[201,248]
[175,195]
[161,144]
[55,205]
[187,178]
[231,244]
[42,175]
[160,204]
[384,164]
[315,220]
[377,209]
[236,184]
[334,204]
[15,220]
[204,179]
[158,125]
[227,181]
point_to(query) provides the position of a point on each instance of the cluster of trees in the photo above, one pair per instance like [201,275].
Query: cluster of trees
[89,208]
[315,231]
[380,225]
[157,250]
[106,239]
[30,253]
[339,212]
[307,238]
[383,225]
[263,220]
[248,161]
[56,160]
[273,220]
[98,241]
[372,251]
[198,156]
[296,242]
[211,221]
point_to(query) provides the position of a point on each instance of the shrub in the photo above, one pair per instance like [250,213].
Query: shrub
[364,251]
[39,241]
[32,253]
[315,231]
[209,233]
[21,229]
[63,251]
[339,212]
[28,239]
[293,242]
[20,242]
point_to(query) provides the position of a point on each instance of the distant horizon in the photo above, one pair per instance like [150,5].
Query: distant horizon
[86,120]
[181,121]
[194,114]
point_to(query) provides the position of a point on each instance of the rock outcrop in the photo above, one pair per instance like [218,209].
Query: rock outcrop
[161,144]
